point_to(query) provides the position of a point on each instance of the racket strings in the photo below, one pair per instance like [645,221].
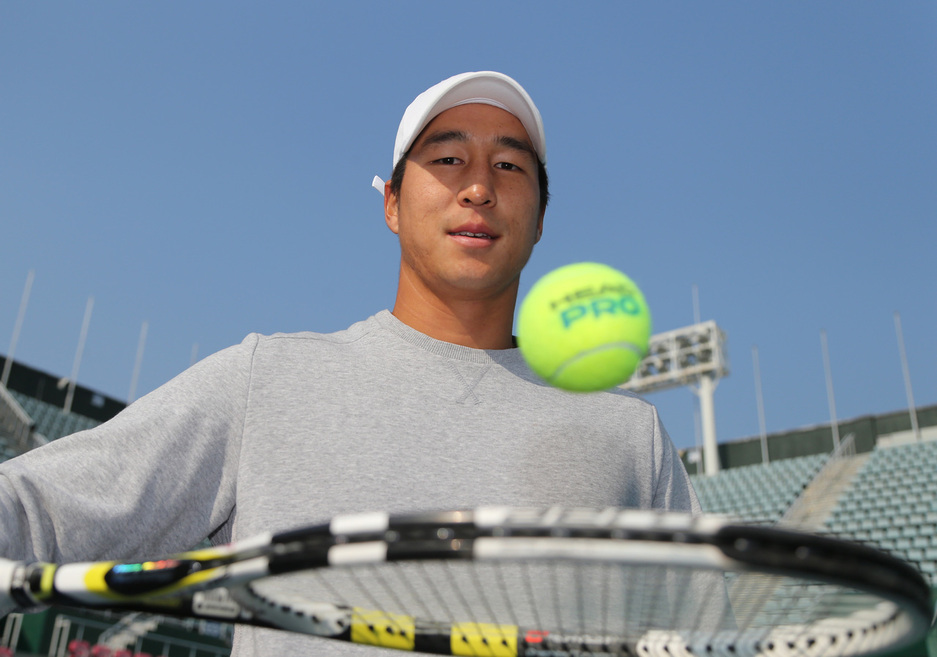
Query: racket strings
[832,602]
[570,600]
[554,597]
[492,626]
[350,589]
[574,607]
[504,601]
[603,598]
[562,628]
[775,612]
[823,606]
[377,605]
[749,594]
[445,593]
[527,586]
[436,600]
[468,600]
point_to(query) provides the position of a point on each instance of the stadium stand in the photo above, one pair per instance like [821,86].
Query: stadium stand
[50,421]
[757,493]
[886,498]
[891,503]
[16,426]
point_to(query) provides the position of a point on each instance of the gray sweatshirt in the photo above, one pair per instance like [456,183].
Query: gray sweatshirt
[290,429]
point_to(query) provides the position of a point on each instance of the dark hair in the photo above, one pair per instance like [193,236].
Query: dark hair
[396,180]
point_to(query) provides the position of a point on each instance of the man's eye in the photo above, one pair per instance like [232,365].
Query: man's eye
[508,166]
[447,160]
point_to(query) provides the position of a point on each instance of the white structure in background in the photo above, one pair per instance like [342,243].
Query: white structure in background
[693,356]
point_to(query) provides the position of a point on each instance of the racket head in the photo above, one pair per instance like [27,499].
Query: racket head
[557,582]
[604,581]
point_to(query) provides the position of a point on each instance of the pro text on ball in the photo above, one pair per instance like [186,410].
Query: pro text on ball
[627,305]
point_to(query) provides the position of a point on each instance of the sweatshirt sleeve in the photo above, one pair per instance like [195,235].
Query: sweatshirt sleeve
[673,489]
[157,478]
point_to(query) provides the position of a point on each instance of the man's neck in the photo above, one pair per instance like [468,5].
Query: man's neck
[475,323]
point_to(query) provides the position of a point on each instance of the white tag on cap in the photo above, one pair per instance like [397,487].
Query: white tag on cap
[378,184]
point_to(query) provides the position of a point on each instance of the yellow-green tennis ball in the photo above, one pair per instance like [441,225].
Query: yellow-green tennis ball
[584,327]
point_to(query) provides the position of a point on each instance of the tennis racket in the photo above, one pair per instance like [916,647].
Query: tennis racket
[505,582]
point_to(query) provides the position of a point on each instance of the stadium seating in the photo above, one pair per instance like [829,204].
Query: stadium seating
[7,449]
[891,502]
[51,421]
[757,493]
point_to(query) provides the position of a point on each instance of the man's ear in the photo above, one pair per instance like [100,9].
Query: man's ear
[391,208]
[540,224]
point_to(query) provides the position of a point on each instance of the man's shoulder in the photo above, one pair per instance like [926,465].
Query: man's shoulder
[303,339]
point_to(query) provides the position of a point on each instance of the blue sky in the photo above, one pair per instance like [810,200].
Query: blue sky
[206,167]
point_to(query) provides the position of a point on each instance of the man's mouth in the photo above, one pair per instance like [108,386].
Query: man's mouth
[465,233]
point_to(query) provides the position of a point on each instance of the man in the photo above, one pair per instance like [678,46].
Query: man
[425,407]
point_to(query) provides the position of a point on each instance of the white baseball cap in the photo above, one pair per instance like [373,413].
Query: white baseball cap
[486,87]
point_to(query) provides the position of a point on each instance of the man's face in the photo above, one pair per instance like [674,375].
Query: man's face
[468,212]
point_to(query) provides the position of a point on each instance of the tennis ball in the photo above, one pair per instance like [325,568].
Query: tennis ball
[584,327]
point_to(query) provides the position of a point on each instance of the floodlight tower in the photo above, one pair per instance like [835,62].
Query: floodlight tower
[692,356]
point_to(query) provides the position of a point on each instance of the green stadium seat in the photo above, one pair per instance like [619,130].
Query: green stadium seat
[891,502]
[51,421]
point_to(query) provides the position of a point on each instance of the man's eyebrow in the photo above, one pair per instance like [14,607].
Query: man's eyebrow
[444,136]
[518,145]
